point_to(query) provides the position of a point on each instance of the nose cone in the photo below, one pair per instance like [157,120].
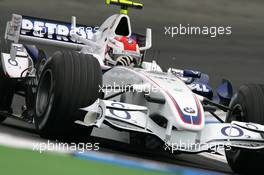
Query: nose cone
[190,115]
[186,109]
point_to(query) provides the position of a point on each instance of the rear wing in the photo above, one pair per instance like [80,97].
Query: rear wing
[45,31]
[52,32]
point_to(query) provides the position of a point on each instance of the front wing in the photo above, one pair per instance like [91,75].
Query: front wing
[134,118]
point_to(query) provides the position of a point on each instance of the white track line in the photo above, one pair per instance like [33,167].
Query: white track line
[16,142]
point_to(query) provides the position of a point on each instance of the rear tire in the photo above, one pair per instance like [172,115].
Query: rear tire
[7,88]
[248,106]
[69,81]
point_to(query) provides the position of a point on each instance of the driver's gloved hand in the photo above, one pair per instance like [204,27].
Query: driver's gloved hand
[125,61]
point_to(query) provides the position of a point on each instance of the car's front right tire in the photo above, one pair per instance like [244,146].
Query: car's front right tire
[247,106]
[69,81]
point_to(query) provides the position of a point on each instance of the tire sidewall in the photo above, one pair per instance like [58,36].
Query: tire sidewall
[247,98]
[75,84]
[42,118]
[233,156]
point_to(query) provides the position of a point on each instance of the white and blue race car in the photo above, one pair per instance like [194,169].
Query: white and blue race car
[75,89]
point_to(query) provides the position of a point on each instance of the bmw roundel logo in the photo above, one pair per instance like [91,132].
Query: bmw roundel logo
[189,110]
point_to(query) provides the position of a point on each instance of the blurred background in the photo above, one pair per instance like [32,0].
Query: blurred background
[238,57]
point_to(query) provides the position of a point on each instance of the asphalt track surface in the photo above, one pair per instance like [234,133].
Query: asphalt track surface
[25,131]
[22,130]
[238,57]
[16,128]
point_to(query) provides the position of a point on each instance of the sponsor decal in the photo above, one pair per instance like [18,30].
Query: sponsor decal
[60,31]
[189,110]
[199,87]
[226,130]
[252,126]
[125,114]
[53,30]
[12,62]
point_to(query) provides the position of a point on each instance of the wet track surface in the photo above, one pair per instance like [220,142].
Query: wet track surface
[238,57]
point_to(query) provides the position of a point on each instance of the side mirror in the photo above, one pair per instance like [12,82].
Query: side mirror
[148,44]
[224,93]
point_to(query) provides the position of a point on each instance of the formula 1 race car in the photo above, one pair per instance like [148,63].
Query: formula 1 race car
[83,88]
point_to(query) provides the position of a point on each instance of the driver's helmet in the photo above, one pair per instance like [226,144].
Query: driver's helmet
[122,51]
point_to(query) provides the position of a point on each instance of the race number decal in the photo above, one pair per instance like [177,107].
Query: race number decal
[120,113]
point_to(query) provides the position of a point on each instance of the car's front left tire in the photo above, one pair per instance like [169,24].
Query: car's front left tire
[69,81]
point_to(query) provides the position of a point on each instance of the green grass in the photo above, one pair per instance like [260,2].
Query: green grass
[26,162]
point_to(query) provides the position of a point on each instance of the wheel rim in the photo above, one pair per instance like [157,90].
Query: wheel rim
[44,92]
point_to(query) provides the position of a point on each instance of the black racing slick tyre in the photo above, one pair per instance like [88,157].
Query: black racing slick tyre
[68,81]
[247,106]
[7,88]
